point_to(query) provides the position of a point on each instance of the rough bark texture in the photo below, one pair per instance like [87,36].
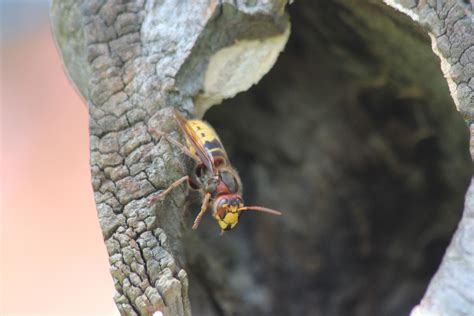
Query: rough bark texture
[353,133]
[132,60]
[450,25]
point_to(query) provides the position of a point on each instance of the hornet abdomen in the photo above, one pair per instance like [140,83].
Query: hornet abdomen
[210,141]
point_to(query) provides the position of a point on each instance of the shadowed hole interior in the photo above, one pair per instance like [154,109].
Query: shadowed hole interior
[352,134]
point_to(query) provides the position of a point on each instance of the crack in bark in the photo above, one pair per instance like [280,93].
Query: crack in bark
[128,65]
[131,66]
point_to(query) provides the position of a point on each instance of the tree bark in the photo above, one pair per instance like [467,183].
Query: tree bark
[352,133]
[450,25]
[132,60]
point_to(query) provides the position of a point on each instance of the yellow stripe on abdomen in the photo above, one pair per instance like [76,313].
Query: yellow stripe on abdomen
[203,130]
[208,138]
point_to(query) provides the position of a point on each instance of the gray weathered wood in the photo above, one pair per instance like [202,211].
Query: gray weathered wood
[450,25]
[134,59]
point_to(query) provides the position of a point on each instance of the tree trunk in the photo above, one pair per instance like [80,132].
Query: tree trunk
[353,134]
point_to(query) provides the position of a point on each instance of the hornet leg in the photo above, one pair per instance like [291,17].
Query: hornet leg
[205,204]
[180,146]
[168,190]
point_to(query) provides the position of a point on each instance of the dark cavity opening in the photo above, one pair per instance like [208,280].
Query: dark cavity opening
[352,134]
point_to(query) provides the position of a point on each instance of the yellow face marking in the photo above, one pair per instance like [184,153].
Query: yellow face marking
[222,224]
[231,218]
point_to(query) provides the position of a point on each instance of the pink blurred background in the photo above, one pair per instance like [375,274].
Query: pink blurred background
[53,260]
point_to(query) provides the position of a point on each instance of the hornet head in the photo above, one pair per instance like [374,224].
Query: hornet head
[228,208]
